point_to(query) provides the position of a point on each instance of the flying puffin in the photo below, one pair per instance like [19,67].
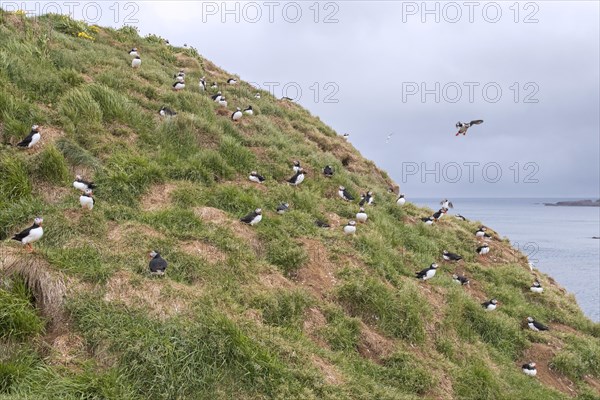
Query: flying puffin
[87,200]
[361,215]
[158,265]
[401,200]
[31,234]
[536,326]
[216,97]
[298,178]
[458,216]
[231,81]
[179,85]
[439,214]
[428,272]
[463,127]
[490,305]
[256,178]
[350,228]
[322,224]
[536,287]
[202,84]
[343,193]
[257,96]
[31,139]
[236,115]
[446,204]
[428,220]
[180,76]
[249,110]
[328,171]
[529,369]
[446,255]
[461,279]
[483,250]
[166,112]
[282,208]
[83,185]
[223,102]
[253,218]
[133,52]
[296,166]
[136,62]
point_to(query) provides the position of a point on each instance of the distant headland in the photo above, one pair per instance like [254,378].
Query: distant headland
[576,203]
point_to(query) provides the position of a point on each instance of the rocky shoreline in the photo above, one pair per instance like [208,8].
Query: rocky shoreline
[575,203]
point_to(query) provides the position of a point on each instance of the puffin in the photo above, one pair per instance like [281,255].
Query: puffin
[216,97]
[83,185]
[428,220]
[236,115]
[296,166]
[298,178]
[223,102]
[133,52]
[536,326]
[401,200]
[480,232]
[282,208]
[350,228]
[179,85]
[202,84]
[460,279]
[439,214]
[257,96]
[427,273]
[214,85]
[256,178]
[343,193]
[32,139]
[322,224]
[231,81]
[328,171]
[446,204]
[136,62]
[463,127]
[87,200]
[536,287]
[253,218]
[361,215]
[180,76]
[446,255]
[31,234]
[158,265]
[490,305]
[249,110]
[346,136]
[529,369]
[483,250]
[366,199]
[166,112]
[458,216]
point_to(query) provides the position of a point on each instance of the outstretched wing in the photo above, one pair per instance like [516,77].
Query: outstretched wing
[476,122]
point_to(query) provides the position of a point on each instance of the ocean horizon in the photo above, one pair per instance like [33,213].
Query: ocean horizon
[557,240]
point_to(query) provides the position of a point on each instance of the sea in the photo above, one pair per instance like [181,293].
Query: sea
[557,240]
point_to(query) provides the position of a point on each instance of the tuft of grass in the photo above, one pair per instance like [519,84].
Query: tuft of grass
[15,183]
[236,155]
[283,308]
[341,332]
[18,317]
[51,166]
[288,255]
[580,357]
[476,381]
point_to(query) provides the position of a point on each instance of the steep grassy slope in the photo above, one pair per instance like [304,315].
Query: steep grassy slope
[281,310]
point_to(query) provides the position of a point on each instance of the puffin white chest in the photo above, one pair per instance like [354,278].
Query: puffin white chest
[430,274]
[530,372]
[34,235]
[136,62]
[537,289]
[490,307]
[361,217]
[256,220]
[86,202]
[34,139]
[349,230]
[401,201]
[299,179]
[532,326]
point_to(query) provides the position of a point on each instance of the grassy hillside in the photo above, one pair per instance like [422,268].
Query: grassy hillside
[281,310]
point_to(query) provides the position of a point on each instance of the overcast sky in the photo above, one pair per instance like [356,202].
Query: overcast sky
[371,62]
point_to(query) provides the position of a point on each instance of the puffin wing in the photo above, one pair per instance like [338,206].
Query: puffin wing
[540,326]
[422,273]
[348,195]
[476,122]
[25,142]
[22,235]
[248,218]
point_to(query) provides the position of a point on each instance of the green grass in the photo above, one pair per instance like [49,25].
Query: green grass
[238,314]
